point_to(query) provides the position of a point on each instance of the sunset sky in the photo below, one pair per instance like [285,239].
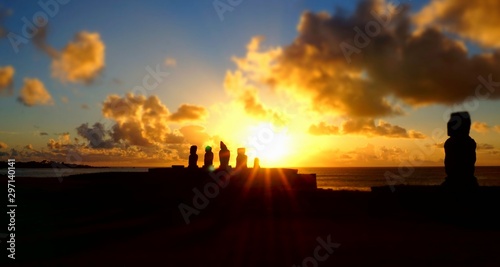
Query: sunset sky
[298,83]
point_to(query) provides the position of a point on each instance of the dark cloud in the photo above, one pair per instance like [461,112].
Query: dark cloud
[362,65]
[97,136]
[4,13]
[130,132]
[44,133]
[369,128]
[14,152]
[40,40]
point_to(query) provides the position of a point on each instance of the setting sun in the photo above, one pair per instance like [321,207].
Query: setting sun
[268,143]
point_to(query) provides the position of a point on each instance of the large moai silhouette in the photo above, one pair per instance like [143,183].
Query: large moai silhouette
[224,155]
[193,157]
[460,153]
[209,158]
[241,159]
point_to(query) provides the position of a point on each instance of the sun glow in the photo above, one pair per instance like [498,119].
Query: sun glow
[268,143]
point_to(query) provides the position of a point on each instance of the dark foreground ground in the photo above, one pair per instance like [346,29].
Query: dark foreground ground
[119,219]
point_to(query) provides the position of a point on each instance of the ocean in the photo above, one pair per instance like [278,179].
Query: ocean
[356,178]
[338,178]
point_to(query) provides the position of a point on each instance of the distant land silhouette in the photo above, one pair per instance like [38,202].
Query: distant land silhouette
[46,164]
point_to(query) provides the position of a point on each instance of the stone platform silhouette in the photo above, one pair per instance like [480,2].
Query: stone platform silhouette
[271,178]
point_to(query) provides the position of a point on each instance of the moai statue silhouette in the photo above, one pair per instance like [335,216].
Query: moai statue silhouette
[224,155]
[193,157]
[460,153]
[256,163]
[241,159]
[209,158]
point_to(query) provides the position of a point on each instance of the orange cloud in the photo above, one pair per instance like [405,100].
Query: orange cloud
[478,21]
[3,145]
[139,133]
[144,121]
[194,134]
[365,127]
[62,142]
[34,93]
[323,129]
[139,120]
[237,85]
[188,112]
[496,128]
[480,127]
[82,60]
[485,147]
[6,79]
